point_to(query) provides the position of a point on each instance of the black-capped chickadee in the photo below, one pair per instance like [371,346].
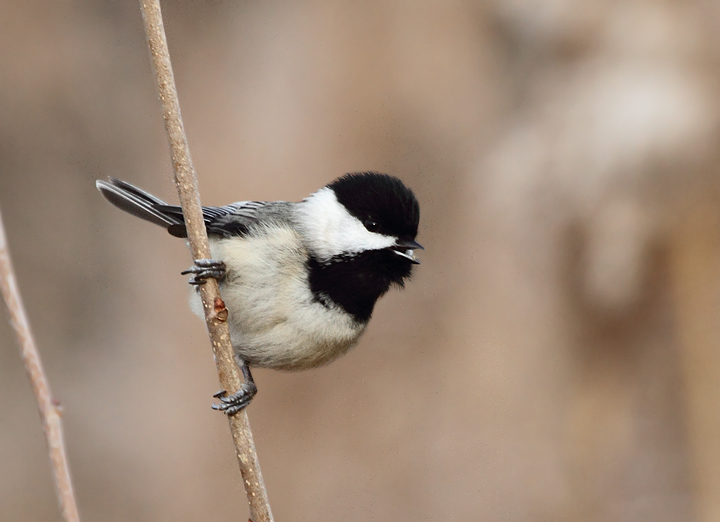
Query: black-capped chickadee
[300,280]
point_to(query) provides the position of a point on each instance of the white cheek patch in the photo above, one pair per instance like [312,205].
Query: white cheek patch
[331,230]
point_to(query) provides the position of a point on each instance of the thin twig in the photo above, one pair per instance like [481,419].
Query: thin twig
[49,408]
[215,311]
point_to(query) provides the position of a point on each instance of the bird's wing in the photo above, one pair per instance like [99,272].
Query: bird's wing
[231,220]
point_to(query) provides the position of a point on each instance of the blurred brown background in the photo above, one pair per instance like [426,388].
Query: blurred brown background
[555,358]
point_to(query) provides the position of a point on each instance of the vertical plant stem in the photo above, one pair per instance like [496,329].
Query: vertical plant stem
[215,311]
[49,408]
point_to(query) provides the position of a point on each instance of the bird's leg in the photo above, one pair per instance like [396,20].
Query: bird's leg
[204,269]
[231,404]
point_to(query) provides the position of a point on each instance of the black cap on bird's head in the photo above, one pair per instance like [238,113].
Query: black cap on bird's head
[381,202]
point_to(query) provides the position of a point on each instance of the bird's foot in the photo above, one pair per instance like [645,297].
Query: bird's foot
[231,404]
[205,269]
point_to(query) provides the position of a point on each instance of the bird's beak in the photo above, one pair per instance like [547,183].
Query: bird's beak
[405,247]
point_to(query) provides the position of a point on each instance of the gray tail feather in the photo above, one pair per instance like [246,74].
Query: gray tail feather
[140,204]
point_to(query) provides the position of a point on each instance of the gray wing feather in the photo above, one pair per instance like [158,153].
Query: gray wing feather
[231,220]
[238,218]
[135,201]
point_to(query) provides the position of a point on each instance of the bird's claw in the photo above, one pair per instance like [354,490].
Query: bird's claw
[205,269]
[231,404]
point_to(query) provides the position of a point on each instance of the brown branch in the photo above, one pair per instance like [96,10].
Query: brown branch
[49,408]
[215,311]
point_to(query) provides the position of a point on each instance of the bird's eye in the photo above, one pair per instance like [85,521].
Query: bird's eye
[371,225]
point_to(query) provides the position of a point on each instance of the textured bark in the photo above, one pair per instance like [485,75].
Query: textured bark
[215,311]
[49,407]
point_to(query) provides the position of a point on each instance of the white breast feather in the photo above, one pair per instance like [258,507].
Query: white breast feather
[274,320]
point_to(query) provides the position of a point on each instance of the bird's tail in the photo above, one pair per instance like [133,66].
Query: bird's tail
[140,204]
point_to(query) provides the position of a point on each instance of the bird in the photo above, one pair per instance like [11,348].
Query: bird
[299,279]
